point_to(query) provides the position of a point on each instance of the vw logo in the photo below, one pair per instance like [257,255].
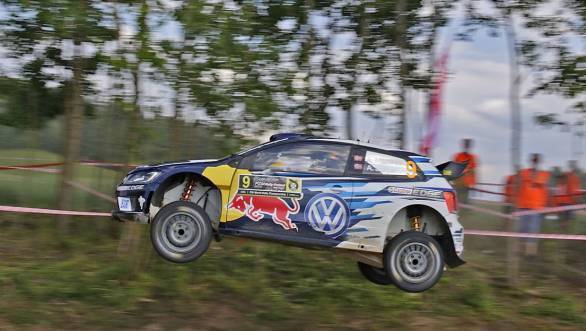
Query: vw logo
[328,213]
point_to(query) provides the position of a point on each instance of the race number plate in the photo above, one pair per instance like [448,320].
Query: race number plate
[124,204]
[270,186]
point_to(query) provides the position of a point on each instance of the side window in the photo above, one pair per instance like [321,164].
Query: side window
[383,164]
[380,164]
[328,159]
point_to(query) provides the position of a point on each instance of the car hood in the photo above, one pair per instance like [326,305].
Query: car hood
[167,165]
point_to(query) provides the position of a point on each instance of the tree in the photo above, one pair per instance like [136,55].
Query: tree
[64,35]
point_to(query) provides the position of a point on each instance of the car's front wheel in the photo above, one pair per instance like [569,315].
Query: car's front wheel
[414,261]
[181,232]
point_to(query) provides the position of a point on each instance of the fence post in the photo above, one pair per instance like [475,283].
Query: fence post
[512,254]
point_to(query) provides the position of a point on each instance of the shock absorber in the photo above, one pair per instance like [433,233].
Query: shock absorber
[416,223]
[188,190]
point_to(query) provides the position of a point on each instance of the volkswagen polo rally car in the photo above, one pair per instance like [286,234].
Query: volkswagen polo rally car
[393,211]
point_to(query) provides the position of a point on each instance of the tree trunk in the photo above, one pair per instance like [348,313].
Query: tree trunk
[514,101]
[130,240]
[176,127]
[432,75]
[400,30]
[349,124]
[73,130]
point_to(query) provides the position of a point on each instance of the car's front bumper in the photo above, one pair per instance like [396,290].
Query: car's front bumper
[130,217]
[138,211]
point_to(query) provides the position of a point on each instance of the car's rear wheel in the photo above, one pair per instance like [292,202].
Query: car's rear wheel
[374,274]
[181,232]
[414,261]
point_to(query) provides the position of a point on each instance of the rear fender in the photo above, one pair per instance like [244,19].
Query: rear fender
[433,224]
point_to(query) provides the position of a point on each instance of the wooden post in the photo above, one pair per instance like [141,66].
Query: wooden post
[514,101]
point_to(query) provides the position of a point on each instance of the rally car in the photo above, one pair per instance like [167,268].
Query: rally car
[392,211]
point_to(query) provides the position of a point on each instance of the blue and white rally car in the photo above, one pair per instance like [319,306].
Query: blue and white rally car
[392,211]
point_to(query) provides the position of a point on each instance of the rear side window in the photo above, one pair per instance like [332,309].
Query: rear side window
[371,163]
[383,164]
[327,159]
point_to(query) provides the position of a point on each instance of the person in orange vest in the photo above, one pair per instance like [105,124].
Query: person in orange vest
[568,192]
[468,180]
[532,195]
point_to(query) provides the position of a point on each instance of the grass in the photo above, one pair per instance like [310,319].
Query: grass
[74,278]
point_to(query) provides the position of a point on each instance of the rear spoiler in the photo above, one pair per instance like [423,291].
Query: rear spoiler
[452,170]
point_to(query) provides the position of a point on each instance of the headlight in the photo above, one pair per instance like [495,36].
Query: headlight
[143,177]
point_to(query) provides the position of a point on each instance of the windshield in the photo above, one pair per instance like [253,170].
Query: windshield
[249,149]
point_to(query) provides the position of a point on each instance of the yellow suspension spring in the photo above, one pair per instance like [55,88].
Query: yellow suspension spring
[416,223]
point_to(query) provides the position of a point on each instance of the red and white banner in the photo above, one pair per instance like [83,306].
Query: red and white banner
[435,104]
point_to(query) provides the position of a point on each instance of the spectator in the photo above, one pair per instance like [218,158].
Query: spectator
[533,195]
[568,192]
[468,180]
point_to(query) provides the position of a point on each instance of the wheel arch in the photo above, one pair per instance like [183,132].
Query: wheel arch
[170,188]
[432,222]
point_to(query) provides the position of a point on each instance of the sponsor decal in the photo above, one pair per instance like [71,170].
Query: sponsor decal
[418,192]
[411,169]
[130,188]
[329,214]
[141,202]
[270,186]
[255,207]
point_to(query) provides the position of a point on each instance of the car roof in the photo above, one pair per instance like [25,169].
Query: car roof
[287,136]
[357,143]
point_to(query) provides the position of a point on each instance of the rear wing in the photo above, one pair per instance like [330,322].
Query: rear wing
[452,170]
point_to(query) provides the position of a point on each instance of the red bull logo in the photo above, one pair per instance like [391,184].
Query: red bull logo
[255,207]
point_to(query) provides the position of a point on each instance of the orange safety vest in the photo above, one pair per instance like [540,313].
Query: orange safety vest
[532,189]
[469,177]
[568,190]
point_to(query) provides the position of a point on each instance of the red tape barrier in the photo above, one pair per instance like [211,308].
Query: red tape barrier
[26,210]
[91,191]
[500,193]
[486,191]
[472,232]
[32,166]
[525,235]
[486,211]
[54,164]
[549,210]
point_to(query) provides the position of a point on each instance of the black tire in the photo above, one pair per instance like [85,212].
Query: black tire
[414,261]
[374,274]
[181,232]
